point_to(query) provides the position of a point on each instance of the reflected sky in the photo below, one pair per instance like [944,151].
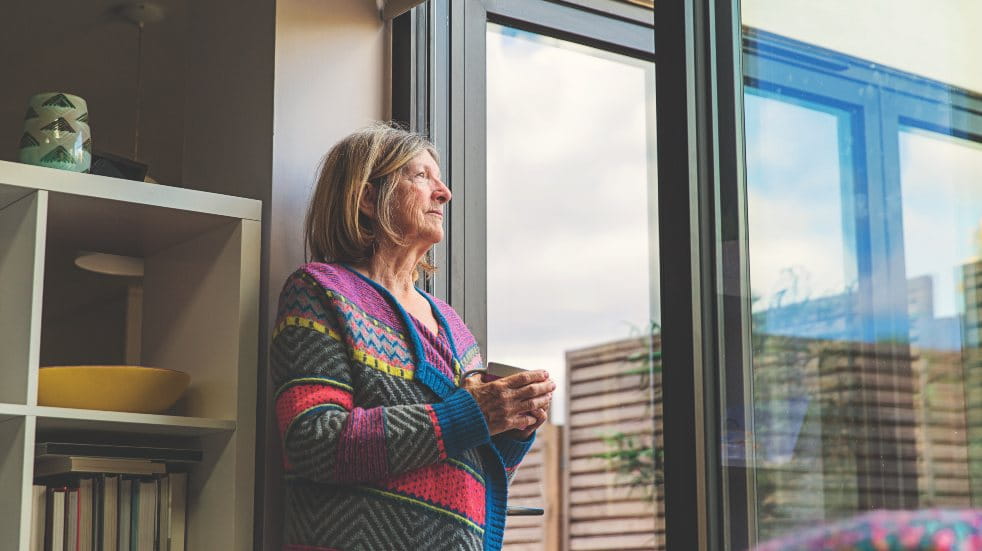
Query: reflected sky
[942,201]
[568,222]
[794,178]
[802,241]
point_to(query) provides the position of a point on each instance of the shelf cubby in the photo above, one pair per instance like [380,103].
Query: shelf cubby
[200,315]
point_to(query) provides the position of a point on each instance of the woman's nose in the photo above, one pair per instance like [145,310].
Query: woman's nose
[442,192]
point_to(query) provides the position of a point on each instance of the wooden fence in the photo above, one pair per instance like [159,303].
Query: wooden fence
[589,504]
[612,389]
[538,484]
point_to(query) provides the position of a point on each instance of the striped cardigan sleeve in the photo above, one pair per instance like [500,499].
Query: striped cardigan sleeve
[325,435]
[512,452]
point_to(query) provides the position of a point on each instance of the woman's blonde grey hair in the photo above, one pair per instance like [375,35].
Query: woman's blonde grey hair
[335,228]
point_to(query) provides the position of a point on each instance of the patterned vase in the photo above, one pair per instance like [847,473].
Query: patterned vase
[56,132]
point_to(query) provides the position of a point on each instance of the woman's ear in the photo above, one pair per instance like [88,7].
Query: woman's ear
[368,201]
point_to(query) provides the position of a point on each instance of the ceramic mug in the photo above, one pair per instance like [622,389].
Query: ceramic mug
[56,132]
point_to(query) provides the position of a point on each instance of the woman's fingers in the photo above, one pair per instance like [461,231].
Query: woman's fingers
[539,402]
[525,378]
[515,402]
[540,417]
[535,389]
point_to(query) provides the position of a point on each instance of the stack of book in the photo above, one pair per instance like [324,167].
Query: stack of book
[93,497]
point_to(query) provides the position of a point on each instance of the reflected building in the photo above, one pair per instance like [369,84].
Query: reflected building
[971,281]
[835,429]
[844,425]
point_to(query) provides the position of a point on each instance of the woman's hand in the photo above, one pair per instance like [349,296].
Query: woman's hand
[516,402]
[540,418]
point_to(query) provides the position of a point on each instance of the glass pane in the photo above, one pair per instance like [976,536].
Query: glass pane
[864,228]
[573,283]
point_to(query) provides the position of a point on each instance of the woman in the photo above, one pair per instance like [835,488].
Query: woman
[387,444]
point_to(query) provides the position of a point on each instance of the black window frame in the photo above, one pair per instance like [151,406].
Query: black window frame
[696,143]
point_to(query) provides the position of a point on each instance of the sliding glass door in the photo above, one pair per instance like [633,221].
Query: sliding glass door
[799,295]
[572,283]
[863,188]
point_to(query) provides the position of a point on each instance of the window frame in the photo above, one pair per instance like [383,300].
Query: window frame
[694,79]
[457,96]
[701,165]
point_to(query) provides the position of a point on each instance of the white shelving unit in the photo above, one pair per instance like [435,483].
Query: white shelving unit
[200,315]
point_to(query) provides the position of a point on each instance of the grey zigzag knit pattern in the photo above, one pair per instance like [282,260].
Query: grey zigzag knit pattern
[382,451]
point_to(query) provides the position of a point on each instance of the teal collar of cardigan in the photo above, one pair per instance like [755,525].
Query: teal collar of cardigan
[426,372]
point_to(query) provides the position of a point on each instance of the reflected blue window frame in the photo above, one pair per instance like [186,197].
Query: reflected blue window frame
[842,312]
[880,102]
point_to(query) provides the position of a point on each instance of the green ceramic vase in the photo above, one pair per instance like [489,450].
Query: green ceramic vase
[56,132]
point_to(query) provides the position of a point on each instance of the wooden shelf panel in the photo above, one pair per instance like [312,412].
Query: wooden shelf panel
[61,419]
[17,180]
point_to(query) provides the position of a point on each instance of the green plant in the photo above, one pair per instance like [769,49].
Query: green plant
[641,464]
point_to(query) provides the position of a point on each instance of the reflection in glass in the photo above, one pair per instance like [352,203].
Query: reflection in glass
[865,259]
[942,214]
[572,283]
[800,263]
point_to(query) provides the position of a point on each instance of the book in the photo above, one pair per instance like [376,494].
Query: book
[125,503]
[146,527]
[112,512]
[72,529]
[54,528]
[134,515]
[109,512]
[56,465]
[163,512]
[166,455]
[98,486]
[178,511]
[38,513]
[86,500]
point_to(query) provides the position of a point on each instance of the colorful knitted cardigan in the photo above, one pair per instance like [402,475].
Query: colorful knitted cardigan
[382,449]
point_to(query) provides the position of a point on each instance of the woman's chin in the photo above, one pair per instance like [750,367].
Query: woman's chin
[427,239]
[433,236]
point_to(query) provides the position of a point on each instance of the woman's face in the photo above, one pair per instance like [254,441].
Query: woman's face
[420,198]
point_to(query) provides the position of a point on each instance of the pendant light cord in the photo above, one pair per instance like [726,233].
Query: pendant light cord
[139,89]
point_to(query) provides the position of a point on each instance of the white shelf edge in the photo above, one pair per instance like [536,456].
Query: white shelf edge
[90,185]
[99,416]
[13,409]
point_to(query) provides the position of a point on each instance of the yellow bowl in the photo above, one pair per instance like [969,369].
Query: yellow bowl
[129,388]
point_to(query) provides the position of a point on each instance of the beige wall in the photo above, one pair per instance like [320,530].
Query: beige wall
[331,78]
[82,48]
[937,39]
[228,100]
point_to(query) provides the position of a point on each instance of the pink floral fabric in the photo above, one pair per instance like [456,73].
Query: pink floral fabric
[925,530]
